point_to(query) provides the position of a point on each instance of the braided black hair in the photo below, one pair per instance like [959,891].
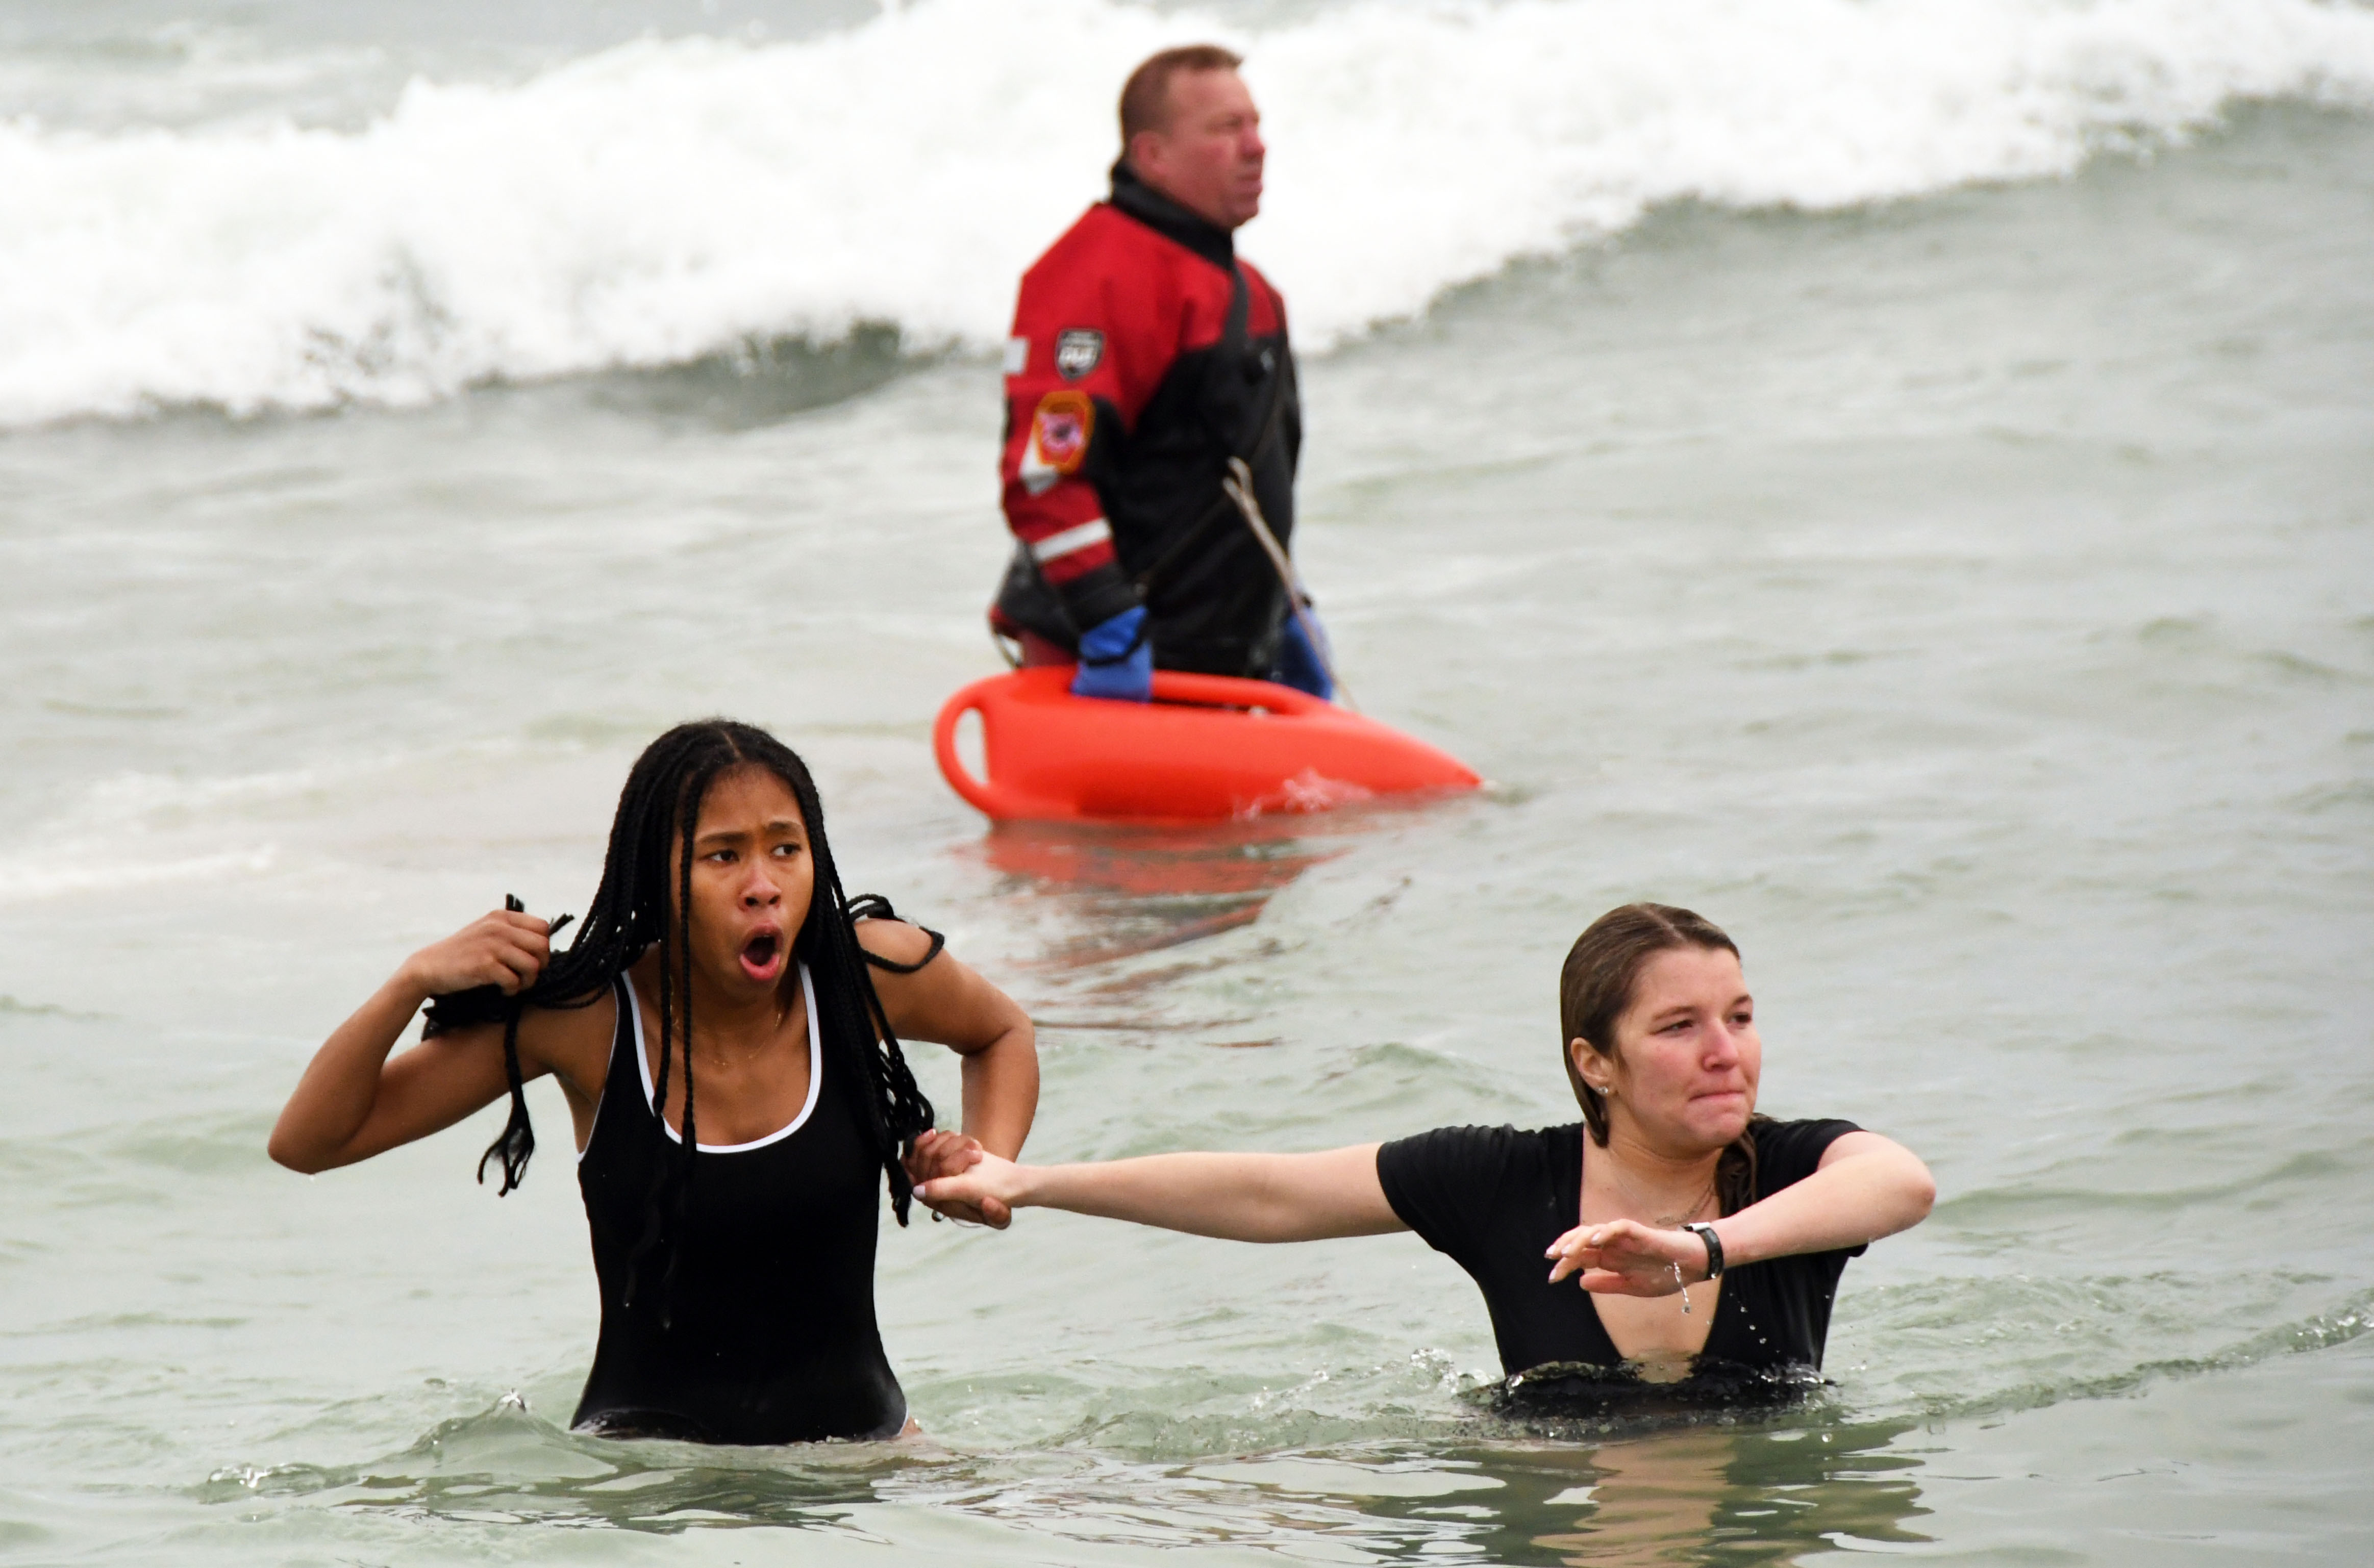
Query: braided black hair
[632,909]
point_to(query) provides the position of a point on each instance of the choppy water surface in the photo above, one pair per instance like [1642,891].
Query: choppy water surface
[1968,599]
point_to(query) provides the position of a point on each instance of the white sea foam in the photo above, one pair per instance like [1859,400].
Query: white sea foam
[82,868]
[136,830]
[663,200]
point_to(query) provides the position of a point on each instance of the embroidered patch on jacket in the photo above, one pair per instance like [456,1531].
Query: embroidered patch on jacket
[1078,351]
[1060,431]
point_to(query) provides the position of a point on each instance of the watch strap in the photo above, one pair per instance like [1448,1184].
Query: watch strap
[1705,1233]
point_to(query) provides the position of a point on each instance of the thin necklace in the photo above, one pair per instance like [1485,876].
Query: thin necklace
[755,1052]
[1662,1222]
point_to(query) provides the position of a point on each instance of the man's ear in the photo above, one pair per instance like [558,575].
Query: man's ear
[1144,153]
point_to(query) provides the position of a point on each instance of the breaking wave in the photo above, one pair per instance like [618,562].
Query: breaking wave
[663,201]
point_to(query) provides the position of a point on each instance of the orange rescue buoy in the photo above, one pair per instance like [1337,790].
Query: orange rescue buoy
[1207,747]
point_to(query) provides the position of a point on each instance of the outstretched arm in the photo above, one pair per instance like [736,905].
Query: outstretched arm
[354,1103]
[1235,1197]
[1866,1186]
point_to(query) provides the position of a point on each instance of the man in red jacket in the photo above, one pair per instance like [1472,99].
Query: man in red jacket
[1147,360]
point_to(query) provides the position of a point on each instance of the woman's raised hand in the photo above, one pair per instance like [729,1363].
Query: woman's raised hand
[354,1103]
[1627,1257]
[955,1177]
[505,948]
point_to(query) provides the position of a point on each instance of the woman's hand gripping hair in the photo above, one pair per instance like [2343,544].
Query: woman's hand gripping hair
[506,949]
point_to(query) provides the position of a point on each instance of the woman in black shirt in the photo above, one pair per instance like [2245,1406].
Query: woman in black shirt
[1705,1238]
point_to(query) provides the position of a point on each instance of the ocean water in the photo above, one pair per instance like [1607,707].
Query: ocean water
[1898,478]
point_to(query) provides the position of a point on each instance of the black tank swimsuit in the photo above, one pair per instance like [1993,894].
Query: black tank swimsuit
[772,1338]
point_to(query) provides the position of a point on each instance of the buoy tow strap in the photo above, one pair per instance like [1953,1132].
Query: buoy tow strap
[1239,484]
[1268,427]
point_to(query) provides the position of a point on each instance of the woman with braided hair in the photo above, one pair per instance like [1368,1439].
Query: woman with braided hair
[726,1030]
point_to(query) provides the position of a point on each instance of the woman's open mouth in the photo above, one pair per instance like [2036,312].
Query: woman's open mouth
[762,955]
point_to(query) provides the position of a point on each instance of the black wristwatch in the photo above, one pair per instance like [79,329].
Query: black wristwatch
[1705,1233]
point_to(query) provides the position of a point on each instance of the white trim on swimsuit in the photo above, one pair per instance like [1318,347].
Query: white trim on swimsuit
[815,1076]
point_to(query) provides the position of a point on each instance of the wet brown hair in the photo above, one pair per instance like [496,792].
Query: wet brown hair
[1146,97]
[1603,970]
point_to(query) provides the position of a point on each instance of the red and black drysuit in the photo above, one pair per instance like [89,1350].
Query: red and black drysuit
[1144,357]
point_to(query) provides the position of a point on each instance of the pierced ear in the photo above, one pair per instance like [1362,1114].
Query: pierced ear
[1580,1050]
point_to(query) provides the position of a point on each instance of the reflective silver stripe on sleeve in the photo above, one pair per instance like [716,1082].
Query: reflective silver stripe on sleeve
[1096,531]
[1018,355]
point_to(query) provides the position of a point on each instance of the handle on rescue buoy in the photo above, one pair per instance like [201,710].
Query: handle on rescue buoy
[1232,691]
[978,791]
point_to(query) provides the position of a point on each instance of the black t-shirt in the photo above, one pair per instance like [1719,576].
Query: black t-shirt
[1493,1198]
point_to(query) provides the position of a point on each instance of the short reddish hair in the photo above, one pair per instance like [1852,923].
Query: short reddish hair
[1146,97]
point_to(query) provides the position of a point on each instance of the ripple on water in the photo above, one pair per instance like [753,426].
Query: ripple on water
[507,1465]
[2015,1209]
[1966,1347]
